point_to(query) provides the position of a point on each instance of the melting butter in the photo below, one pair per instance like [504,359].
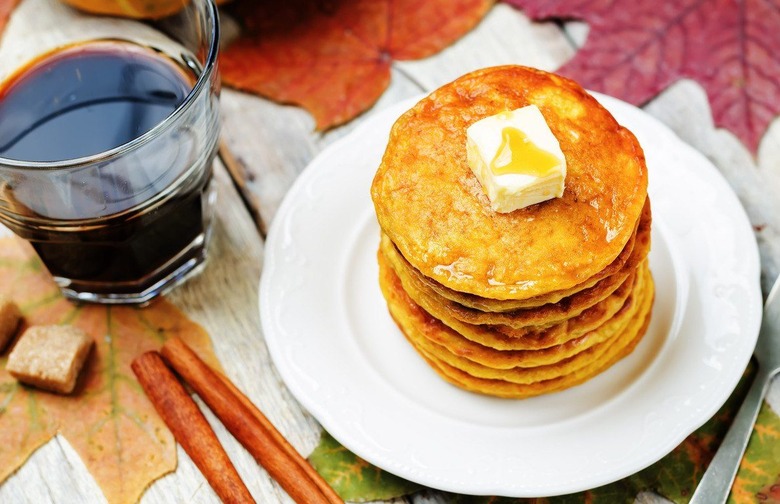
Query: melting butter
[520,156]
[516,158]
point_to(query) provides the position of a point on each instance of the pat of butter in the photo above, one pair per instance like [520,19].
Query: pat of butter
[516,158]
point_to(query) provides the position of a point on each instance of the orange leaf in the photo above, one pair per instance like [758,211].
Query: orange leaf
[108,420]
[6,6]
[334,57]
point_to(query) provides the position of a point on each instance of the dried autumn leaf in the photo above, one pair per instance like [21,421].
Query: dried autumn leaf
[770,494]
[759,472]
[108,420]
[636,49]
[353,478]
[333,57]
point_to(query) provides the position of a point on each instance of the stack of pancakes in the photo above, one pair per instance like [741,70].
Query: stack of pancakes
[527,302]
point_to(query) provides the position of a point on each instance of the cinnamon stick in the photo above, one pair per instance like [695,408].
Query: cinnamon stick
[285,445]
[250,427]
[189,427]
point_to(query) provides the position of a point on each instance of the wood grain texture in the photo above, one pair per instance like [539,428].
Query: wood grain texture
[273,143]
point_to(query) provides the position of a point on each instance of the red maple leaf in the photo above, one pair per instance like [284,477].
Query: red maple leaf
[333,56]
[635,49]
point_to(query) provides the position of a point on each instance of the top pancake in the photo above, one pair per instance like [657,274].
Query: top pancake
[434,209]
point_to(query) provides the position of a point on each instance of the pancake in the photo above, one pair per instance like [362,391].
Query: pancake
[589,292]
[539,317]
[503,305]
[501,388]
[531,301]
[502,337]
[541,372]
[525,366]
[420,329]
[451,346]
[434,210]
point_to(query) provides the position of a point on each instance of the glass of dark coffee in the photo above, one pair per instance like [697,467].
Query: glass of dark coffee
[106,150]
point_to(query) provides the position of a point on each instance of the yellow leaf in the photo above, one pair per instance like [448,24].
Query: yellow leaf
[108,420]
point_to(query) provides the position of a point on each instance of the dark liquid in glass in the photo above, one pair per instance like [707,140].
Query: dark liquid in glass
[84,100]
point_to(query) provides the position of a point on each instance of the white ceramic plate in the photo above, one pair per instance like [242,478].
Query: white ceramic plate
[341,355]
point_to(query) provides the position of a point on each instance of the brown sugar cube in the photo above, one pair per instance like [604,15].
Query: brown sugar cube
[9,320]
[49,357]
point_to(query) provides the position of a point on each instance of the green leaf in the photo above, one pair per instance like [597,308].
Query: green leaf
[759,472]
[353,478]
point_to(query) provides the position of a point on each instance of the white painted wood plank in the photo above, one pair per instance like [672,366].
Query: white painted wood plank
[577,32]
[685,109]
[54,473]
[505,36]
[273,143]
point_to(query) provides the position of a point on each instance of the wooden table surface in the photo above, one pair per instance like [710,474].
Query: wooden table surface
[270,144]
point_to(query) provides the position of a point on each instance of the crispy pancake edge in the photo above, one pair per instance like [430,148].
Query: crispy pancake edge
[502,388]
[540,316]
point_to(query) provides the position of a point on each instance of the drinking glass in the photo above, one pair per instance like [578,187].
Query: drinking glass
[129,223]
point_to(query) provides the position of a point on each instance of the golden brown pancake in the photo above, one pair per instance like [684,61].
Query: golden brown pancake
[501,388]
[530,301]
[434,210]
[526,366]
[503,305]
[532,374]
[536,318]
[422,330]
[451,344]
[502,337]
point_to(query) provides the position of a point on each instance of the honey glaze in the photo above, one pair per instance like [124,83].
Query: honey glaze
[518,155]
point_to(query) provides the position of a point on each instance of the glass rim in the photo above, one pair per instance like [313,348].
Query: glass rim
[212,17]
